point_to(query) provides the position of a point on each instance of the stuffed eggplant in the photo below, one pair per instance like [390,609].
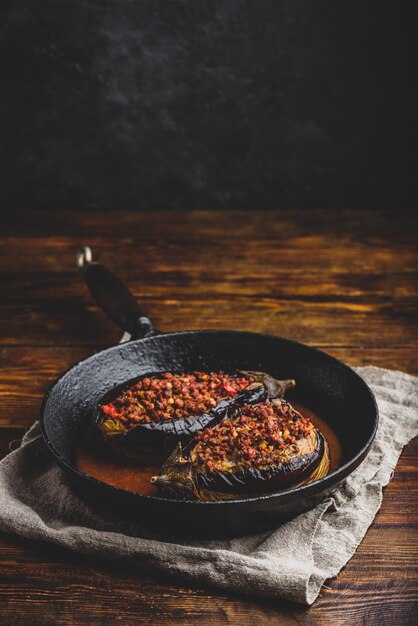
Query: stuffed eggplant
[146,419]
[267,447]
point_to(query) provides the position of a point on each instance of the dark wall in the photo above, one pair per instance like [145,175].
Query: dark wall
[191,103]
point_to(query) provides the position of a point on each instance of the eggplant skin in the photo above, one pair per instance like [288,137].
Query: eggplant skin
[275,388]
[152,442]
[273,478]
[175,479]
[178,478]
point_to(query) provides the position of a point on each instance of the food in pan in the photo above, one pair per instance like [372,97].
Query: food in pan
[264,448]
[215,435]
[146,419]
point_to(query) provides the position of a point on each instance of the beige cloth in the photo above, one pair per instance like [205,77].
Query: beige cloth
[291,562]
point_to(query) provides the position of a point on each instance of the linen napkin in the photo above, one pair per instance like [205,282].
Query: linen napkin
[291,562]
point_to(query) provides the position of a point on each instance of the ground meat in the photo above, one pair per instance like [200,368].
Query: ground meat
[173,396]
[255,438]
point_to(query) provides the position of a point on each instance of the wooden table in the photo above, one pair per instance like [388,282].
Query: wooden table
[343,281]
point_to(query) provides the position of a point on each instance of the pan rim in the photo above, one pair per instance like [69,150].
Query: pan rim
[333,478]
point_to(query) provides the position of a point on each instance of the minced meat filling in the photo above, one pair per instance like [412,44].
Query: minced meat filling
[255,438]
[173,396]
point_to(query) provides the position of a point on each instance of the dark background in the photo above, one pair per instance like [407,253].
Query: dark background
[203,104]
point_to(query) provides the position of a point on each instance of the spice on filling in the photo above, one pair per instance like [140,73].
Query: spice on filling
[173,396]
[256,438]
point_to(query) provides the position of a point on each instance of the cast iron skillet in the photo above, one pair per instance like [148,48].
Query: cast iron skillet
[324,384]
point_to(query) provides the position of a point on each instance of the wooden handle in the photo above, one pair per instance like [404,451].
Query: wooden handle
[113,297]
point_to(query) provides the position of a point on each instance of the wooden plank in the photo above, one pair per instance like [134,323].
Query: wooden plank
[21,401]
[51,311]
[242,225]
[275,283]
[69,323]
[262,257]
[111,595]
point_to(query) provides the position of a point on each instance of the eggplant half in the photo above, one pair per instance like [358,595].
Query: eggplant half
[152,441]
[184,477]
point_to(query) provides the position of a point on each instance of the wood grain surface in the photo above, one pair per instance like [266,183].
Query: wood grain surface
[343,281]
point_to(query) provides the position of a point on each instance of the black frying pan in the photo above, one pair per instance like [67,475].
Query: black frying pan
[324,384]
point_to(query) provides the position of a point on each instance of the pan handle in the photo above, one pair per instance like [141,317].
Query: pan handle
[113,297]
